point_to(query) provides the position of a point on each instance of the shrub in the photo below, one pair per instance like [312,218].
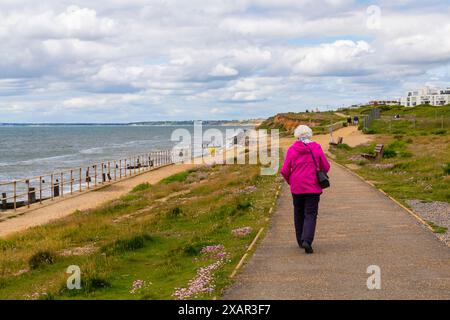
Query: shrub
[369,131]
[130,244]
[243,205]
[141,187]
[175,212]
[178,177]
[389,153]
[439,132]
[41,258]
[94,283]
[193,249]
[446,168]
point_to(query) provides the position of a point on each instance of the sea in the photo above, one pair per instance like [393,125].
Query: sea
[33,150]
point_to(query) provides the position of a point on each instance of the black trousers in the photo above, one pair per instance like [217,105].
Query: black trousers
[306,207]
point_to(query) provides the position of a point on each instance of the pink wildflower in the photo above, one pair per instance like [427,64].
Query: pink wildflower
[242,232]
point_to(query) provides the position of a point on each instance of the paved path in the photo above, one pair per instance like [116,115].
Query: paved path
[357,227]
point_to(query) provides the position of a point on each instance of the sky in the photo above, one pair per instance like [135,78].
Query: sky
[136,60]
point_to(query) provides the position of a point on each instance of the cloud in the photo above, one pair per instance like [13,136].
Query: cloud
[130,60]
[341,58]
[221,70]
[74,22]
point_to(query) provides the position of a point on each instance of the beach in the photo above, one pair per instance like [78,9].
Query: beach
[62,207]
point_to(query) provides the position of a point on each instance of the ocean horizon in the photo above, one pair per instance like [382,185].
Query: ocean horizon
[35,149]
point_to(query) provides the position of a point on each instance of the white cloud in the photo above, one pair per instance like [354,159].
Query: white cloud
[221,70]
[172,58]
[338,58]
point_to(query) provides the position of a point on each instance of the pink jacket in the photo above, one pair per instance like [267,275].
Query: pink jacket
[298,169]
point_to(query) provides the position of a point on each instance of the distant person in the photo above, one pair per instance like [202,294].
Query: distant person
[349,121]
[299,171]
[355,120]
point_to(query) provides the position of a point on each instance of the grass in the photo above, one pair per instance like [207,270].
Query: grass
[422,111]
[178,177]
[436,228]
[287,122]
[141,187]
[138,237]
[413,121]
[416,159]
[413,167]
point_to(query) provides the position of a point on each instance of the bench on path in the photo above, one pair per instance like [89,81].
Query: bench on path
[377,153]
[339,141]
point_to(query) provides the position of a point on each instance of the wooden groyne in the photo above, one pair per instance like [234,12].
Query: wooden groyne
[47,187]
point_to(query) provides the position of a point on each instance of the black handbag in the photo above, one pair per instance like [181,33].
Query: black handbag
[322,177]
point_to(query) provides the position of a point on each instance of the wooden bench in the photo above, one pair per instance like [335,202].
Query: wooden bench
[377,155]
[339,141]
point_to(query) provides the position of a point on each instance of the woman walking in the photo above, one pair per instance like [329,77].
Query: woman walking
[303,159]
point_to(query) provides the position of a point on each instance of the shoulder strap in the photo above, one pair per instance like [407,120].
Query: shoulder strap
[312,155]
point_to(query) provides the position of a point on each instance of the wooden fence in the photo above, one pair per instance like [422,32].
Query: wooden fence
[25,192]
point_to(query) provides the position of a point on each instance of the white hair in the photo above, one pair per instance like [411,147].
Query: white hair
[303,131]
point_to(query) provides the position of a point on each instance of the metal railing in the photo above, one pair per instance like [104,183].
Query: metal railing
[47,187]
[373,114]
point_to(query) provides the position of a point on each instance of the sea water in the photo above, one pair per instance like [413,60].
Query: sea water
[29,151]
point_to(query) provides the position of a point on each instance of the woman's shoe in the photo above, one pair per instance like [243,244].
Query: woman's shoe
[307,247]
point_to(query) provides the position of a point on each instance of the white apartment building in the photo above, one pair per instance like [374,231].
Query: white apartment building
[426,95]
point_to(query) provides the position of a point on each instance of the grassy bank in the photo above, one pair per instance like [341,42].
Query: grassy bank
[413,167]
[414,121]
[416,158]
[147,243]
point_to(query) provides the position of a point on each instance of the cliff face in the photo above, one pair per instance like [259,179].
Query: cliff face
[290,124]
[286,123]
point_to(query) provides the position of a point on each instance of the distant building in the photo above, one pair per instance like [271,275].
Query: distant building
[384,103]
[426,95]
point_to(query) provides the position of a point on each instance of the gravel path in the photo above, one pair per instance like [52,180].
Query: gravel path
[437,212]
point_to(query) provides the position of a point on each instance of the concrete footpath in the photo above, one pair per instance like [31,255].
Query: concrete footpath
[357,227]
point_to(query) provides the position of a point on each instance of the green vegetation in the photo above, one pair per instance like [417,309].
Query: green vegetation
[413,121]
[142,187]
[141,238]
[178,177]
[287,122]
[436,228]
[446,168]
[416,156]
[412,167]
[41,258]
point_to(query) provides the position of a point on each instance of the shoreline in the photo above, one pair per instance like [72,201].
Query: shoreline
[90,200]
[83,201]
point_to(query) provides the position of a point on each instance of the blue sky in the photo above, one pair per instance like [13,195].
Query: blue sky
[120,61]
